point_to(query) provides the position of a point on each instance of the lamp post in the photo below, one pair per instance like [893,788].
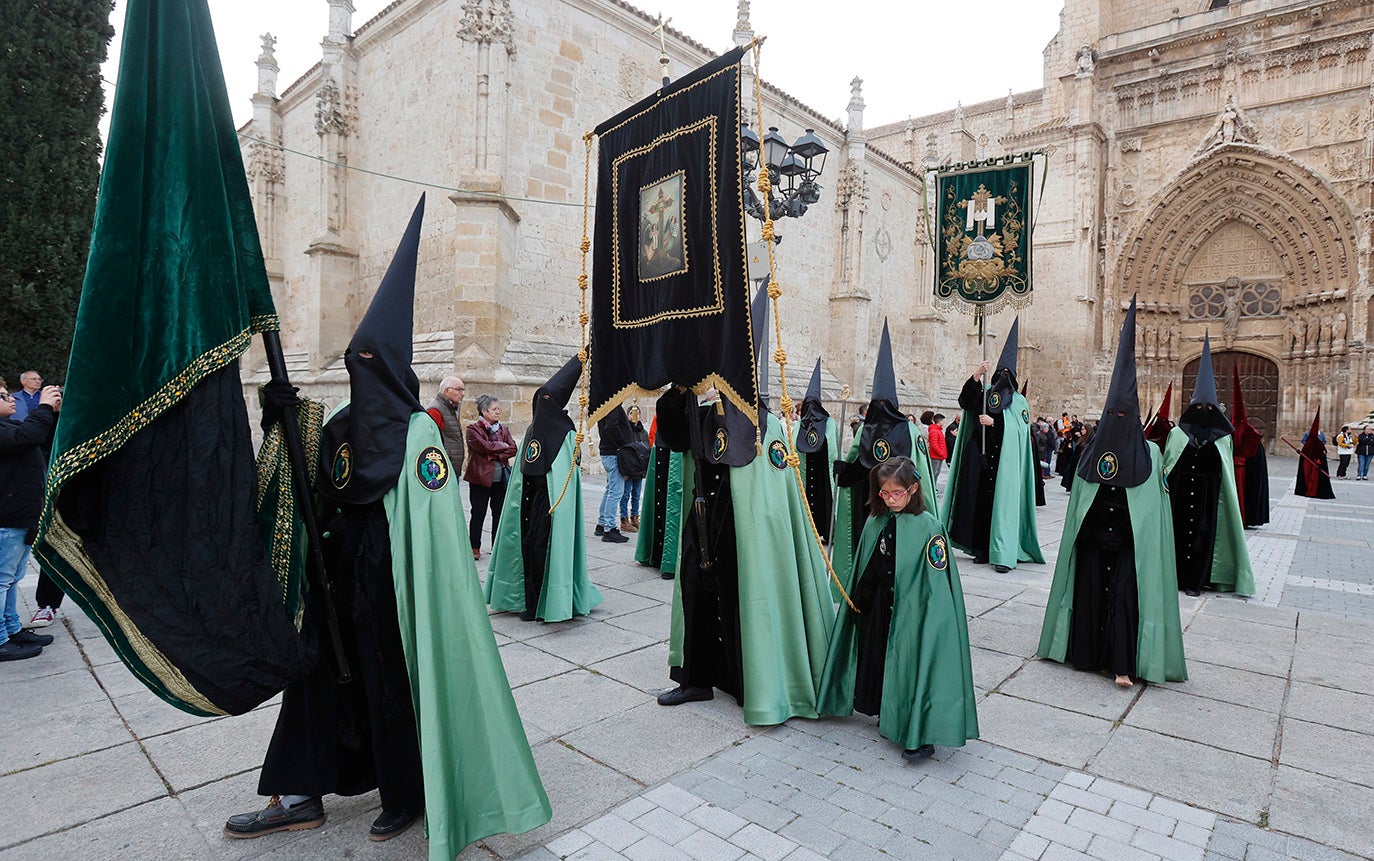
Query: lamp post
[792,170]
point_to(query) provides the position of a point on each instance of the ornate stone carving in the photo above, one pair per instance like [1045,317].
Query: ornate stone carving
[1232,126]
[1086,62]
[265,161]
[331,114]
[851,187]
[742,15]
[488,22]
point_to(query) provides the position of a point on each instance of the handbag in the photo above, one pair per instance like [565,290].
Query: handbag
[633,460]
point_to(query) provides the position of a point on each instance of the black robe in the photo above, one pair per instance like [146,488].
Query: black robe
[1195,488]
[536,524]
[971,522]
[874,594]
[816,479]
[1106,607]
[352,738]
[663,464]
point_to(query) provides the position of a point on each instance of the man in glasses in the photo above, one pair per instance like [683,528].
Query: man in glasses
[22,464]
[445,410]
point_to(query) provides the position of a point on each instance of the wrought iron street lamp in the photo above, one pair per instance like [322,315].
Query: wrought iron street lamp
[792,171]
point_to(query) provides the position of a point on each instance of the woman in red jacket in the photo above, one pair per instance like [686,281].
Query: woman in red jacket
[490,448]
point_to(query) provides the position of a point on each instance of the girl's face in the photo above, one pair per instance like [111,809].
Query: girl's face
[895,495]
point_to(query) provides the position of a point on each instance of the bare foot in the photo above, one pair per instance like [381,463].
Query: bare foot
[1124,681]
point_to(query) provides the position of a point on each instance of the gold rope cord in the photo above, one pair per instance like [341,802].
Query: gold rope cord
[583,355]
[779,354]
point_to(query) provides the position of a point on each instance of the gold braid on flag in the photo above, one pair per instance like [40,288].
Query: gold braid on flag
[584,354]
[779,354]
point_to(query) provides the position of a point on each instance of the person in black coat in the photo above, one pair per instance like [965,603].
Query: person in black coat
[23,464]
[616,433]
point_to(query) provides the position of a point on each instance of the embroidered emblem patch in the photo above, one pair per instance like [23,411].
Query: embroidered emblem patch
[812,438]
[921,444]
[994,399]
[341,470]
[532,451]
[1107,467]
[720,444]
[431,469]
[777,454]
[882,450]
[937,553]
[1025,416]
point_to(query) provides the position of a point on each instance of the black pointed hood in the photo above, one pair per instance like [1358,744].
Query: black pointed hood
[1203,419]
[1118,453]
[815,419]
[551,423]
[363,446]
[1002,386]
[886,432]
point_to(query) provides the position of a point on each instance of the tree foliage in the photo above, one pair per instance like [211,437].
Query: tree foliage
[51,101]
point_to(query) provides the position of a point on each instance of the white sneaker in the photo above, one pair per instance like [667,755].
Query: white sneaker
[43,618]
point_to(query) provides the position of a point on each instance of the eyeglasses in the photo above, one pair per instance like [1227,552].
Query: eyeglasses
[5,396]
[893,494]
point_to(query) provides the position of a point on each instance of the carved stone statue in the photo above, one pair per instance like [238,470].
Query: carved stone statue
[1231,126]
[1086,63]
[1230,325]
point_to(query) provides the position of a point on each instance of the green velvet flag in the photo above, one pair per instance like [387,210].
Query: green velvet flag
[983,247]
[148,520]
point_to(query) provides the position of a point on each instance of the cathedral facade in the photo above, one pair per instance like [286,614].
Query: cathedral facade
[1218,162]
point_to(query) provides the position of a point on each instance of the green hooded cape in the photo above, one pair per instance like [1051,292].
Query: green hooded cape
[567,591]
[928,693]
[1159,640]
[1013,537]
[843,556]
[672,518]
[479,774]
[1230,557]
[784,606]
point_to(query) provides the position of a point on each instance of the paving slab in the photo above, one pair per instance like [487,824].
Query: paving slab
[1063,687]
[1330,812]
[1269,659]
[58,732]
[587,643]
[1234,607]
[525,664]
[157,829]
[1331,706]
[1018,640]
[564,703]
[1210,722]
[652,622]
[1229,685]
[1336,753]
[645,669]
[1334,662]
[218,748]
[1041,731]
[650,744]
[991,668]
[1214,779]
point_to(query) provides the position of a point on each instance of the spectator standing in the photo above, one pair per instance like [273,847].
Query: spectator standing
[1364,452]
[490,448]
[22,468]
[1345,449]
[950,433]
[615,434]
[446,409]
[939,447]
[634,476]
[26,400]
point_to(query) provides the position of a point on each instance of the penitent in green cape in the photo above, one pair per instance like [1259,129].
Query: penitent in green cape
[659,529]
[928,695]
[567,591]
[1013,537]
[831,450]
[852,499]
[1231,570]
[479,775]
[1159,637]
[784,605]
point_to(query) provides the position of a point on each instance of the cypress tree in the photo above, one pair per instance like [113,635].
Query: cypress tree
[51,101]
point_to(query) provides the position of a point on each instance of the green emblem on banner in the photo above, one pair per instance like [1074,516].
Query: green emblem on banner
[983,247]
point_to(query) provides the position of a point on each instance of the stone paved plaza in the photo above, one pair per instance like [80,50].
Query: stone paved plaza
[1266,752]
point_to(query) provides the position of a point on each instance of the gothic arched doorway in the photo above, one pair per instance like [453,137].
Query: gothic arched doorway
[1259,385]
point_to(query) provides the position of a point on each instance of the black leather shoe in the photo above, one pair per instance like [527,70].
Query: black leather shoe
[527,616]
[614,536]
[925,751]
[600,530]
[389,825]
[1193,593]
[683,694]
[666,575]
[1000,569]
[274,817]
[980,560]
[29,638]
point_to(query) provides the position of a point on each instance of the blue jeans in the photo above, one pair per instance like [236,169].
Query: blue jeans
[14,562]
[629,503]
[615,489]
[1363,469]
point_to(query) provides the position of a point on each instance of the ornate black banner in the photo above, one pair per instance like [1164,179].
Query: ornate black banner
[983,250]
[670,284]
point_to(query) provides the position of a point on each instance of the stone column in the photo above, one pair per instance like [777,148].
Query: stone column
[849,301]
[266,170]
[487,235]
[331,295]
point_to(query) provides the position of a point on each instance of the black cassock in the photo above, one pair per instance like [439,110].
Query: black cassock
[536,524]
[1195,489]
[874,595]
[971,523]
[816,479]
[352,738]
[1106,611]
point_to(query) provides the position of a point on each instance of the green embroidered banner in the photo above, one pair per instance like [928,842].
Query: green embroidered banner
[983,251]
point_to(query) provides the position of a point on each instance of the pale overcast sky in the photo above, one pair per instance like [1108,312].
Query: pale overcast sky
[915,57]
